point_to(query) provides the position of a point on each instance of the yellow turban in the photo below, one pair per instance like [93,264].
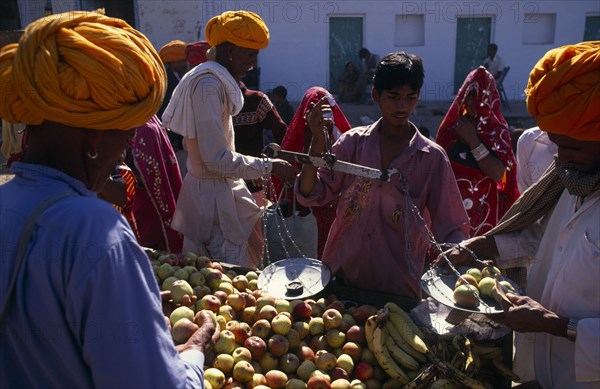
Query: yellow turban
[563,92]
[81,69]
[173,51]
[242,28]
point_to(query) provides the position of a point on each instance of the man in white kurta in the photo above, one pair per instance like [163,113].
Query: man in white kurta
[215,211]
[556,223]
[535,152]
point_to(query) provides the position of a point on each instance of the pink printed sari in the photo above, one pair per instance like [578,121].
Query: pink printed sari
[485,200]
[154,203]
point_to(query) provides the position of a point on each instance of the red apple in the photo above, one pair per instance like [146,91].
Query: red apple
[288,363]
[305,353]
[267,312]
[337,305]
[332,318]
[278,345]
[257,347]
[241,330]
[236,301]
[221,295]
[338,373]
[356,334]
[262,329]
[352,349]
[363,371]
[210,302]
[276,379]
[302,310]
[318,382]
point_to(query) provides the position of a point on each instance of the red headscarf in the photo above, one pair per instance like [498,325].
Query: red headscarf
[195,53]
[294,136]
[294,141]
[485,200]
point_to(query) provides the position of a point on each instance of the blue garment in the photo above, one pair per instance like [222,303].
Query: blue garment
[86,309]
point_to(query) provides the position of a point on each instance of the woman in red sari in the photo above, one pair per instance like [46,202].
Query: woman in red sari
[159,182]
[297,138]
[476,138]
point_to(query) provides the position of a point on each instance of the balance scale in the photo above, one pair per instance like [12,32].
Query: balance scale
[299,278]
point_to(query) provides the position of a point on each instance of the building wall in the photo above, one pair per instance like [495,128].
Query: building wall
[298,54]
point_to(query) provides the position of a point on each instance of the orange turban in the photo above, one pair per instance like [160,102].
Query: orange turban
[242,28]
[81,69]
[563,92]
[173,51]
[195,53]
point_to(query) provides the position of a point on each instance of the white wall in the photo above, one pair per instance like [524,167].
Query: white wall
[298,55]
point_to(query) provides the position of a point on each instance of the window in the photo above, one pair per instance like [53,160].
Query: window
[592,28]
[539,29]
[410,30]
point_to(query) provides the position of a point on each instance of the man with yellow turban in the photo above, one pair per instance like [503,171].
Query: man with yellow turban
[79,304]
[215,211]
[555,223]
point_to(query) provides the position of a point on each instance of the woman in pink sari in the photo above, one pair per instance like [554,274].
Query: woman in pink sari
[159,181]
[476,138]
[297,138]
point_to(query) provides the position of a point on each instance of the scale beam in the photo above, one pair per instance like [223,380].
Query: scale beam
[328,161]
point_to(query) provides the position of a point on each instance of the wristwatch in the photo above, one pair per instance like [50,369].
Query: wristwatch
[572,329]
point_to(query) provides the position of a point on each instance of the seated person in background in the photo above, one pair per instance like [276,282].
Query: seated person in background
[283,106]
[367,71]
[377,242]
[347,87]
[153,161]
[493,63]
[535,152]
[476,138]
[298,138]
[257,115]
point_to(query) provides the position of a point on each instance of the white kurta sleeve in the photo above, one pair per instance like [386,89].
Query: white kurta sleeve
[214,132]
[514,246]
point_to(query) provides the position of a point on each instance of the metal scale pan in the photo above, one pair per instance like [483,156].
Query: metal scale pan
[294,278]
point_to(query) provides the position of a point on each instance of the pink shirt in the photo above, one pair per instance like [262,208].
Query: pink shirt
[371,244]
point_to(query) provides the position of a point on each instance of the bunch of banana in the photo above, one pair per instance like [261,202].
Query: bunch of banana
[399,348]
[492,355]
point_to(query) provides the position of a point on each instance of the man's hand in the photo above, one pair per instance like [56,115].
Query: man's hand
[527,315]
[456,255]
[285,172]
[319,119]
[205,337]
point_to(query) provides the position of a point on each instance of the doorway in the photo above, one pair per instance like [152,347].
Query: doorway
[345,40]
[472,39]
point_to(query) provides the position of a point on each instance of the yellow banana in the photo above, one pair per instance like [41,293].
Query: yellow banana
[405,316]
[399,340]
[472,359]
[384,358]
[460,377]
[505,371]
[370,326]
[407,332]
[458,361]
[425,376]
[401,357]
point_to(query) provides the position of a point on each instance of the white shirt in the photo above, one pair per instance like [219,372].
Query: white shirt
[201,110]
[564,279]
[494,65]
[535,152]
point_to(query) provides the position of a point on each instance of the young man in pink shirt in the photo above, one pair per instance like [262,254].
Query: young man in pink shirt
[378,242]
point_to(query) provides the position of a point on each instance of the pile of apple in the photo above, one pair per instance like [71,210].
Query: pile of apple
[477,283]
[266,342]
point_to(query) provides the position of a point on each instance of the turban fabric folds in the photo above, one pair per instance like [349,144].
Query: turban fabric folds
[173,51]
[563,92]
[195,53]
[242,28]
[81,69]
